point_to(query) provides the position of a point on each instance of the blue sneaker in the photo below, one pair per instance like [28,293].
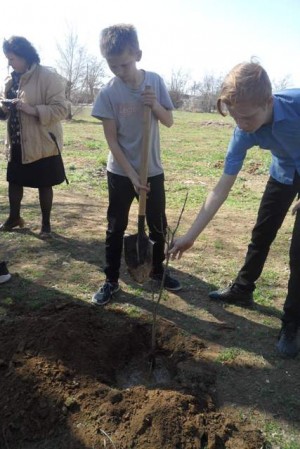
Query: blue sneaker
[105,293]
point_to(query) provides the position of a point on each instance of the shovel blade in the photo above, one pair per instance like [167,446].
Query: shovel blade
[138,253]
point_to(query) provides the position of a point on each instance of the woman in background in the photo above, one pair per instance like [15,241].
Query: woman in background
[34,106]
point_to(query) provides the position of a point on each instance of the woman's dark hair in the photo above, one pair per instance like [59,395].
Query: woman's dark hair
[21,47]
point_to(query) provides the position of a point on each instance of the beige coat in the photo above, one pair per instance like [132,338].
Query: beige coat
[43,88]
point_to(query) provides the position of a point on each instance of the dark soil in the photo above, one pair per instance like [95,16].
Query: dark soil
[73,376]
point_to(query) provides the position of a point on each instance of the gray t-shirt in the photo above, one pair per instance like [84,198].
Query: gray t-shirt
[123,104]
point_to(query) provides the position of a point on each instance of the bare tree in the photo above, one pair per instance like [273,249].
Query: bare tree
[93,80]
[82,72]
[281,83]
[209,89]
[195,88]
[178,86]
[169,240]
[204,94]
[72,63]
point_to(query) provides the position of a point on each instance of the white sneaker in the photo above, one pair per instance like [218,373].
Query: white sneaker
[4,273]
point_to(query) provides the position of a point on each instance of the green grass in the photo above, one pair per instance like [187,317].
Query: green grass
[274,432]
[228,355]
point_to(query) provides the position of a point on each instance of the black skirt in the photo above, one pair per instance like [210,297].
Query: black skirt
[45,172]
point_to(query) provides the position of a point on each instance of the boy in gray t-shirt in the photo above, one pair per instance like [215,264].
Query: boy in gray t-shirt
[120,107]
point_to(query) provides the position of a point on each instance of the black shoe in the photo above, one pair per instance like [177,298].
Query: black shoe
[287,340]
[233,295]
[45,231]
[9,225]
[170,283]
[4,273]
[105,293]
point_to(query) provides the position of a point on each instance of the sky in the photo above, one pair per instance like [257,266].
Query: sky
[197,37]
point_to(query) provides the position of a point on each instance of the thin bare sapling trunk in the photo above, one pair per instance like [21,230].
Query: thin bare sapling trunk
[169,239]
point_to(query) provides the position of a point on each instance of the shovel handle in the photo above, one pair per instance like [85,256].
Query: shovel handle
[145,156]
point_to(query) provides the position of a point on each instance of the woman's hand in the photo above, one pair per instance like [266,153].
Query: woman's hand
[7,104]
[180,245]
[26,108]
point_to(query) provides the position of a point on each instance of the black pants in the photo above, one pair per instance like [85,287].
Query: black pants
[121,195]
[274,206]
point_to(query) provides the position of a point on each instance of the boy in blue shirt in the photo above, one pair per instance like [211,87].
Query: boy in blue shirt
[120,107]
[273,123]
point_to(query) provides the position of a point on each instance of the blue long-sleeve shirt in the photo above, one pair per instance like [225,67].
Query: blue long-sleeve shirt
[281,137]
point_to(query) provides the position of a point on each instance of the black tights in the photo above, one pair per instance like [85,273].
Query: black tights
[15,194]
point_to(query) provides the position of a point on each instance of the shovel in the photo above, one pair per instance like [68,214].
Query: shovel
[138,248]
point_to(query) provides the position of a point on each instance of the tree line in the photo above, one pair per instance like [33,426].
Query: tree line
[85,75]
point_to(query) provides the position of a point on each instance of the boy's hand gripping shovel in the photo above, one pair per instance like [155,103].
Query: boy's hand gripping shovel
[138,248]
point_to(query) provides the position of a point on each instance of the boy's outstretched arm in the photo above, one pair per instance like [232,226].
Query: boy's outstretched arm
[165,116]
[110,132]
[212,204]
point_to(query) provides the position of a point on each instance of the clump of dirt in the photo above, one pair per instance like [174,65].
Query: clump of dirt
[76,376]
[215,123]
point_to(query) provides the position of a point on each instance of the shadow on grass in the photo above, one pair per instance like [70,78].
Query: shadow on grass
[225,326]
[89,251]
[20,301]
[269,386]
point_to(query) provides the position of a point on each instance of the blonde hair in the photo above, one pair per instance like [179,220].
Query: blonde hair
[247,82]
[115,39]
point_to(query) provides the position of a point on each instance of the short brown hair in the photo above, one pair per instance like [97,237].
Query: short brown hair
[115,39]
[246,82]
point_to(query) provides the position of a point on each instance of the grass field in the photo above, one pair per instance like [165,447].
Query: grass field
[256,384]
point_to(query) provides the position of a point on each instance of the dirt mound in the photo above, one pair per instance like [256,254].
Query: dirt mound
[75,376]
